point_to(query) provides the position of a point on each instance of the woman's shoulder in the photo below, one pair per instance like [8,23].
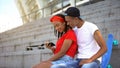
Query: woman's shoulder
[70,31]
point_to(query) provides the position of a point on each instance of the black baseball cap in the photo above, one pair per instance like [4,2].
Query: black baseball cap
[72,11]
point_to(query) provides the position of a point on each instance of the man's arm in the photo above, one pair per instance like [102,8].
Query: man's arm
[101,42]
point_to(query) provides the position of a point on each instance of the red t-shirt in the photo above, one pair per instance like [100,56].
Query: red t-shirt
[73,48]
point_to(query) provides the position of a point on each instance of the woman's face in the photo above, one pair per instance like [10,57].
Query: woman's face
[59,26]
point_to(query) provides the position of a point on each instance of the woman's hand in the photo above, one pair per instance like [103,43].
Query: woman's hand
[49,46]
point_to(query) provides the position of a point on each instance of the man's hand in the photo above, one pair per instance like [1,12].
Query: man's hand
[84,61]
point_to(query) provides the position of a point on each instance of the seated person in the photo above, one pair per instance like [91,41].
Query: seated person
[66,46]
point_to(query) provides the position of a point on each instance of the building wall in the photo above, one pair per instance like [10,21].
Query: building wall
[13,43]
[21,7]
[31,10]
[28,10]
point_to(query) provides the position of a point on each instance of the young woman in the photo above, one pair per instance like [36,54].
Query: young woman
[66,46]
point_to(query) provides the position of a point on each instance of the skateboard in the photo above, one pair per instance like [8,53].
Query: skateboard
[106,57]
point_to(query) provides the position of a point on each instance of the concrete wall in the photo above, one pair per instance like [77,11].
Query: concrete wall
[105,14]
[13,44]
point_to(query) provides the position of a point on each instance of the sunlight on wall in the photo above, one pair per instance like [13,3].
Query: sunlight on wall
[9,15]
[7,23]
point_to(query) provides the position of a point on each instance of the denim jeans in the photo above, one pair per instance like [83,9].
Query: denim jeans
[94,64]
[75,64]
[60,63]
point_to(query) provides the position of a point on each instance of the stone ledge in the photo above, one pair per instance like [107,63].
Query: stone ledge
[46,51]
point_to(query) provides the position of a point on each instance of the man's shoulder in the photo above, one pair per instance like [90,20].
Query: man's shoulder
[90,24]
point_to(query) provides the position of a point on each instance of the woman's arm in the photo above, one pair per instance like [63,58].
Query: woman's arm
[50,46]
[66,44]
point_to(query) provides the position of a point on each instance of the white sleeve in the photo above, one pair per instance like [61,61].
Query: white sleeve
[93,28]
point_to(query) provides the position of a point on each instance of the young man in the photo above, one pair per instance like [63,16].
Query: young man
[91,45]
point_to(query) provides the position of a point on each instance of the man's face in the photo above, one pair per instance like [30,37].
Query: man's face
[70,21]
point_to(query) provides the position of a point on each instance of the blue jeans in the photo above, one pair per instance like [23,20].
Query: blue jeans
[60,63]
[94,64]
[75,64]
